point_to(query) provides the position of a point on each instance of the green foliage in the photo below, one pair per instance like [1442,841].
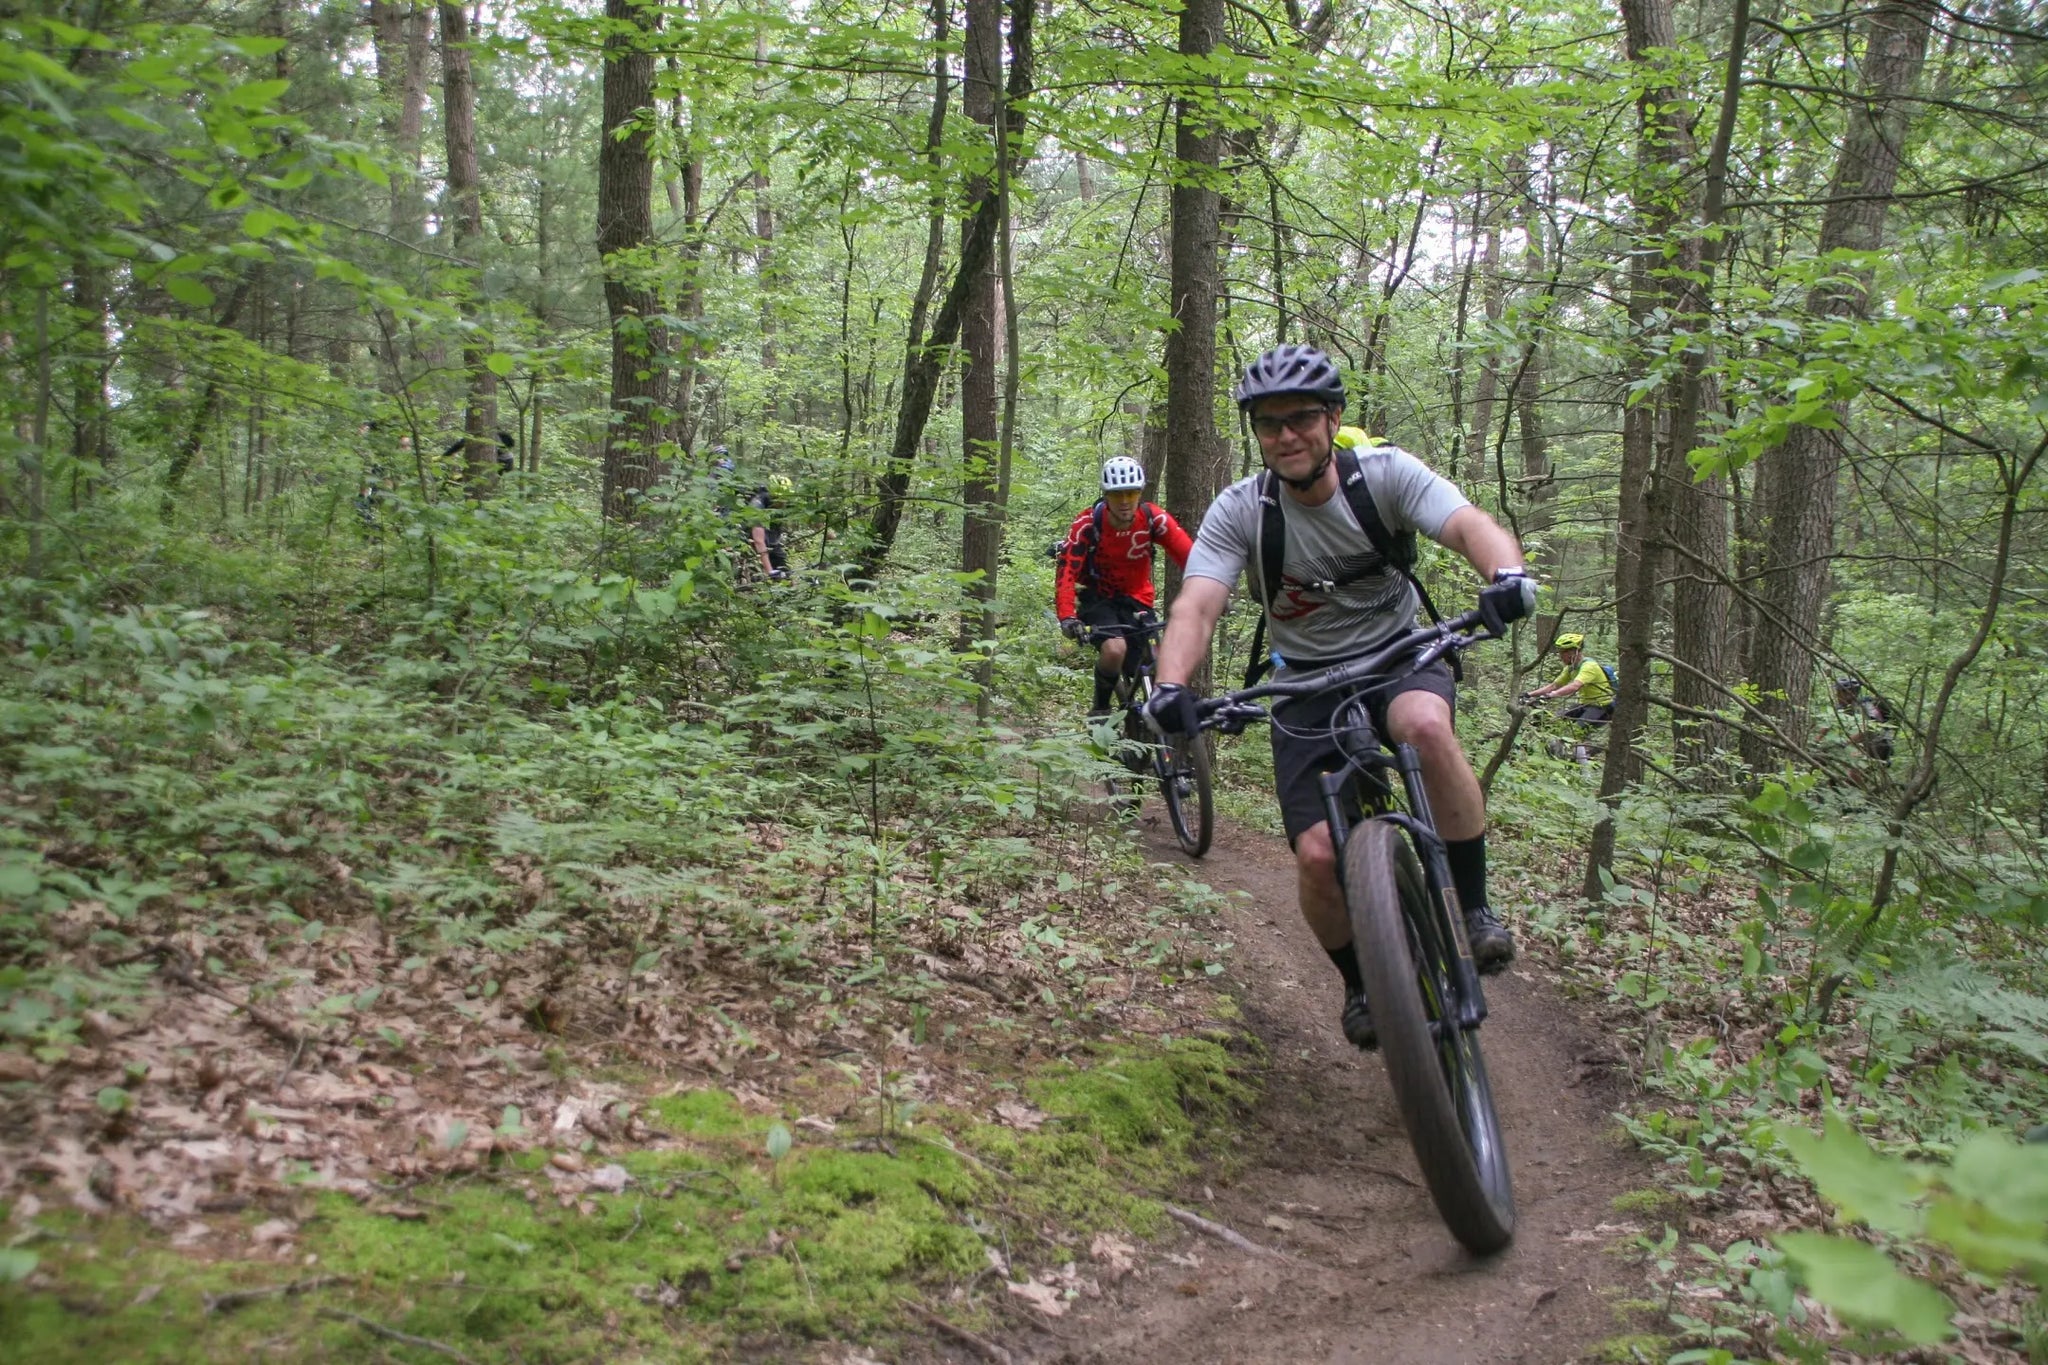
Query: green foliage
[1988,1208]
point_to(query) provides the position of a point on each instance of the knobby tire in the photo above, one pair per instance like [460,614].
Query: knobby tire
[1187,757]
[1440,1087]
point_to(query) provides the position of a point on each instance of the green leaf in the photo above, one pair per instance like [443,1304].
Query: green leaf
[18,881]
[114,1100]
[263,222]
[1985,1241]
[1880,1190]
[511,1121]
[16,1264]
[2005,1176]
[189,291]
[457,1133]
[256,96]
[499,364]
[1860,1283]
[779,1142]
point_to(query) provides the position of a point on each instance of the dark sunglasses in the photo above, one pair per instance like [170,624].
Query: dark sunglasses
[1301,422]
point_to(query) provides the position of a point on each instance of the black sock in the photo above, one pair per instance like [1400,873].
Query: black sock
[1467,858]
[1105,684]
[1346,959]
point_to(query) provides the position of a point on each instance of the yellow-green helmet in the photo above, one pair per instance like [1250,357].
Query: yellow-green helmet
[1565,642]
[781,484]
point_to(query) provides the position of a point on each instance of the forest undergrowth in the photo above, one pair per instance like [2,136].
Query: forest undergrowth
[1826,1089]
[575,968]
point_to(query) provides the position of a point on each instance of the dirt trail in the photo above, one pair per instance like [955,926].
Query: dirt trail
[1375,1276]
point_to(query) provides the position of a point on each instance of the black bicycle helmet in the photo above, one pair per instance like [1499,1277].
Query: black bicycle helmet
[1290,369]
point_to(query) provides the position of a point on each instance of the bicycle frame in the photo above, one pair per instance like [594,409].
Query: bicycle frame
[1368,674]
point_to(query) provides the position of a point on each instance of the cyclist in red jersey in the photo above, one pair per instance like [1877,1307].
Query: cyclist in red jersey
[1105,576]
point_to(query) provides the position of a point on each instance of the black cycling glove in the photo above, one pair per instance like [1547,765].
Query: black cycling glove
[1510,598]
[1172,709]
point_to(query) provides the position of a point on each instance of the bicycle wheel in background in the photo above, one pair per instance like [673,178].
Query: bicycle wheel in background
[1438,1074]
[1183,767]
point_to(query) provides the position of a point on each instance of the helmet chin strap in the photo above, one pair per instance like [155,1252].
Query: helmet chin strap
[1314,475]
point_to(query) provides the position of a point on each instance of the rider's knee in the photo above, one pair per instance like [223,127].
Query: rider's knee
[1429,731]
[1112,657]
[1315,855]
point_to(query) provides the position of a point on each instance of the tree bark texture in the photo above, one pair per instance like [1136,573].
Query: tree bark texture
[466,212]
[1796,504]
[925,361]
[92,359]
[1664,149]
[1493,299]
[1197,464]
[1537,488]
[625,230]
[982,41]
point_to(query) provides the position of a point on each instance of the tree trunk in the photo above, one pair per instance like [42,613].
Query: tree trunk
[982,44]
[1796,502]
[625,229]
[1493,298]
[1197,464]
[1699,507]
[91,362]
[466,212]
[764,230]
[923,363]
[1664,150]
[688,201]
[1537,489]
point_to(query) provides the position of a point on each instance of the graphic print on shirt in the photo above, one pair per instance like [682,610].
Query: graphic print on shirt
[1302,593]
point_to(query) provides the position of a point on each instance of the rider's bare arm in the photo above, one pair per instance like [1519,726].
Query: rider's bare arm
[1485,543]
[1188,630]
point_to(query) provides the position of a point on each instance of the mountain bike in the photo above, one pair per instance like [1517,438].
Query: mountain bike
[1420,980]
[1566,735]
[1178,763]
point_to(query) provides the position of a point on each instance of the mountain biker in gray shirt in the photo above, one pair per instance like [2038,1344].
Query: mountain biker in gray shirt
[1323,615]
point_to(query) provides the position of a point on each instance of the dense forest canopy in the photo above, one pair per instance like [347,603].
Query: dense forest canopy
[368,367]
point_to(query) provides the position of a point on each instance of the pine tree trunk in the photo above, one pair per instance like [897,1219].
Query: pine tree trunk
[1796,502]
[625,229]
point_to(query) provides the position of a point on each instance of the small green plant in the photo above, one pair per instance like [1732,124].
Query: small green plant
[1988,1208]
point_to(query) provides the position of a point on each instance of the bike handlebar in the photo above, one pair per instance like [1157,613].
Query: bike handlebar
[1235,710]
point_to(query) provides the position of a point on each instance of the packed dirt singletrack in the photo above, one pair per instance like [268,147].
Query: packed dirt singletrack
[1366,1270]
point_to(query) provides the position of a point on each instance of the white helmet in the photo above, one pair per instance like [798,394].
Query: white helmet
[1122,474]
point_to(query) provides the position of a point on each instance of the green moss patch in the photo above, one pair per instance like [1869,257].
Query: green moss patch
[707,1250]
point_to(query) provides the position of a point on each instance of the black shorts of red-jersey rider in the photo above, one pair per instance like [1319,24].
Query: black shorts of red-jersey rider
[1304,747]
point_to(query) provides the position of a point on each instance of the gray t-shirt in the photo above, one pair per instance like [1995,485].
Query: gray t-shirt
[1326,544]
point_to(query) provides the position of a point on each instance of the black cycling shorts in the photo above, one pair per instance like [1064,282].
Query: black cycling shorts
[1304,748]
[1099,612]
[1590,714]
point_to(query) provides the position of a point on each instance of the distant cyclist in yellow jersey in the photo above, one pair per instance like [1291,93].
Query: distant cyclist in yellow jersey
[1582,678]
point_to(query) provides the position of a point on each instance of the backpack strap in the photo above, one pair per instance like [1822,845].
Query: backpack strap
[1272,552]
[1091,540]
[1396,550]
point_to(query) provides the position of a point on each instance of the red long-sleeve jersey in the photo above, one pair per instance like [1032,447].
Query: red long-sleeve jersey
[1122,563]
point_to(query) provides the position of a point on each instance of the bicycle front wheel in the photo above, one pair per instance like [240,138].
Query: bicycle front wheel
[1182,763]
[1438,1074]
